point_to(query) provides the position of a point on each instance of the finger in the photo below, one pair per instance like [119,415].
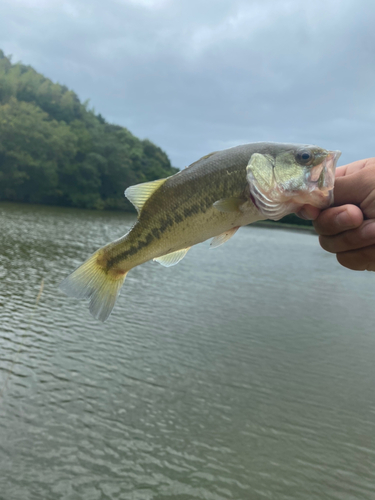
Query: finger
[358,260]
[353,239]
[340,171]
[335,220]
[351,168]
[354,188]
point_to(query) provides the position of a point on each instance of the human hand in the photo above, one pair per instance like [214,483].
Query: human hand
[348,228]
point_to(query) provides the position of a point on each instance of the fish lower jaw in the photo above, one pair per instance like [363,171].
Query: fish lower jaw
[277,204]
[319,198]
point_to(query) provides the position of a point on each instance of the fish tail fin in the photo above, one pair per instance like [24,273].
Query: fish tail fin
[93,281]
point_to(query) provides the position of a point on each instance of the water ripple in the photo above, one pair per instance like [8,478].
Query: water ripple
[244,372]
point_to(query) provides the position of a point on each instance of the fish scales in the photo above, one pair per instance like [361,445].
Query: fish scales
[180,199]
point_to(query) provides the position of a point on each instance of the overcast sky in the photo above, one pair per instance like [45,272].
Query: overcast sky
[195,76]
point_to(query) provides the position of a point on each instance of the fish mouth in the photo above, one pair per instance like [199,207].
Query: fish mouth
[321,179]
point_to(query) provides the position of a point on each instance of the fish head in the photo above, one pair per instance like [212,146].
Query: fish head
[286,177]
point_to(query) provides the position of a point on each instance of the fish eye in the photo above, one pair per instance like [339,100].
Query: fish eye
[304,157]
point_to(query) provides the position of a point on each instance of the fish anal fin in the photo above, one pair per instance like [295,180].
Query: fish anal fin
[173,258]
[140,193]
[228,205]
[223,237]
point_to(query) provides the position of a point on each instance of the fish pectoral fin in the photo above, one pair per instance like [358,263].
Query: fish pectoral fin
[229,204]
[171,259]
[223,237]
[140,193]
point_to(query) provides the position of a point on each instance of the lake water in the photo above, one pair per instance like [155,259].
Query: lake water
[245,372]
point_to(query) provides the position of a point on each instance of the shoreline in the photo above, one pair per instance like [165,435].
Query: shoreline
[264,223]
[270,224]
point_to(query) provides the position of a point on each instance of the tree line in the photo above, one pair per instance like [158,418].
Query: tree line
[54,150]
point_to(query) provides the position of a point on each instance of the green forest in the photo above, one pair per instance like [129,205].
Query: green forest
[54,150]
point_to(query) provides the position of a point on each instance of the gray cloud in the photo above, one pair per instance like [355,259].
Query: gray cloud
[195,76]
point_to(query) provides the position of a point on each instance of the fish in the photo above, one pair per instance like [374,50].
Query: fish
[211,198]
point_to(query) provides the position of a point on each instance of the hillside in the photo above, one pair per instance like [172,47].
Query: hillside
[54,150]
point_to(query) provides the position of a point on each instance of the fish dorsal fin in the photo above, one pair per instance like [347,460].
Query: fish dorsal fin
[171,259]
[205,157]
[229,205]
[140,193]
[223,237]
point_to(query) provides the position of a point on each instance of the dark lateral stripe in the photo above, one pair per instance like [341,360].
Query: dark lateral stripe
[130,251]
[154,233]
[157,232]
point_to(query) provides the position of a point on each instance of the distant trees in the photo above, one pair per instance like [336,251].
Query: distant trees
[54,150]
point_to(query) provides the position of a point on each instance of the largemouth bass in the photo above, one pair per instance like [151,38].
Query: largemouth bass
[211,198]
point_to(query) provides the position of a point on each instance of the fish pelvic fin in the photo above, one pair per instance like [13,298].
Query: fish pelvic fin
[171,259]
[93,281]
[222,238]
